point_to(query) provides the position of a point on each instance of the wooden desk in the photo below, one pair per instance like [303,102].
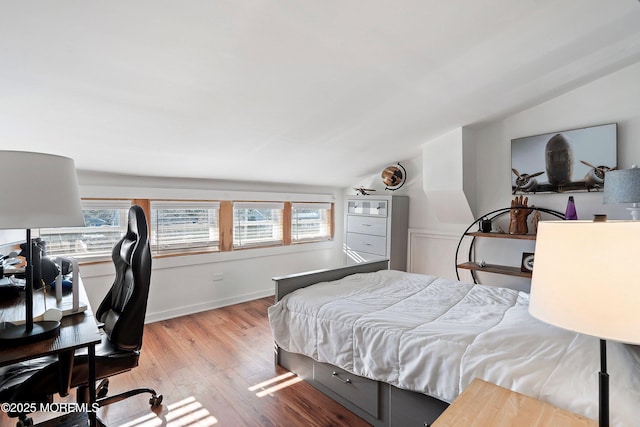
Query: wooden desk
[483,404]
[76,331]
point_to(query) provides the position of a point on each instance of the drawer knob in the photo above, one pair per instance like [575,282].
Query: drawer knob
[336,375]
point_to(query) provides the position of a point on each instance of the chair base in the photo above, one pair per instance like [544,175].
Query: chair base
[154,401]
[103,400]
[81,418]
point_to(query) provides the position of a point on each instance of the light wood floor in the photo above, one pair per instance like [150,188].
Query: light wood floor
[216,369]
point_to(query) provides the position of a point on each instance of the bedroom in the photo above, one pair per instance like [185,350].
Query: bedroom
[593,83]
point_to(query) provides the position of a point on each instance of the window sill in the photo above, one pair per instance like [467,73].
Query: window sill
[184,252]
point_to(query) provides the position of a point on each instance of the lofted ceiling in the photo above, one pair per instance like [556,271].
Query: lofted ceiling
[304,91]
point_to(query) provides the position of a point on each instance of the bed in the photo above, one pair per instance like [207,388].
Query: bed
[397,348]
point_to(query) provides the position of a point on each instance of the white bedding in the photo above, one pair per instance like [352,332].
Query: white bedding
[434,336]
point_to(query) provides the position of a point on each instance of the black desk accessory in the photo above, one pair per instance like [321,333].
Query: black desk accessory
[12,335]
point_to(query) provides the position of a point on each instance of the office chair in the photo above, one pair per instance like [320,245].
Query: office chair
[121,314]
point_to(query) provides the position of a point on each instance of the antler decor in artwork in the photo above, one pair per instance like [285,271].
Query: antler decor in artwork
[518,215]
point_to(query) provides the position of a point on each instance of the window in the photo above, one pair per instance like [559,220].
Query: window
[310,221]
[257,224]
[177,225]
[105,222]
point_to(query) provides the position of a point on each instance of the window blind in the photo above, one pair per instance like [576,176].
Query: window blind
[310,222]
[179,225]
[105,222]
[257,224]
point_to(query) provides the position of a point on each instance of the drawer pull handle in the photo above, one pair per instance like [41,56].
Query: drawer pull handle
[336,375]
[366,225]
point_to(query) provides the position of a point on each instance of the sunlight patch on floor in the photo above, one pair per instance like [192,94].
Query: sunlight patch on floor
[185,413]
[274,384]
[149,420]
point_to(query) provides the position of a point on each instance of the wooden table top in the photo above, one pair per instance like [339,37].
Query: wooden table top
[485,404]
[76,330]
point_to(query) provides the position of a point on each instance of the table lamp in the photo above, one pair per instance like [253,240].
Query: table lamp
[41,190]
[623,186]
[584,281]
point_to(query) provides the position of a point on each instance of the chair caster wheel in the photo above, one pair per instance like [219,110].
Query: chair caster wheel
[25,422]
[102,392]
[155,401]
[103,389]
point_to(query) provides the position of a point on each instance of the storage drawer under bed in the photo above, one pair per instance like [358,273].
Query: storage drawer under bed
[362,392]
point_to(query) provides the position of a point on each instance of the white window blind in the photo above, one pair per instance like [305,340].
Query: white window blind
[105,222]
[257,224]
[310,222]
[177,225]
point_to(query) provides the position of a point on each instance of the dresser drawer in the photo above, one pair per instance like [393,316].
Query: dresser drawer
[367,225]
[376,245]
[368,207]
[360,391]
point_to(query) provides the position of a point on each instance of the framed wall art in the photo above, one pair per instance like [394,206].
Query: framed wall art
[564,161]
[527,262]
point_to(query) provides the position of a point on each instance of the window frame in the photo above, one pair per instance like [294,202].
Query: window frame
[225,242]
[327,223]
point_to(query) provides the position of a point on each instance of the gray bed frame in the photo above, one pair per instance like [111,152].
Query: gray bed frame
[376,402]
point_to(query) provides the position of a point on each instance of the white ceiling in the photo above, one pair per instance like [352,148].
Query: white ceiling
[313,92]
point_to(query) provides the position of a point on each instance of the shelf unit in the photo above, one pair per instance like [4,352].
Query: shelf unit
[474,266]
[503,235]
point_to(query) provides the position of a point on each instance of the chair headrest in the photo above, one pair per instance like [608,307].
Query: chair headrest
[134,234]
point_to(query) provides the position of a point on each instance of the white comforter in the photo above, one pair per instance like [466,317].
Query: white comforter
[434,336]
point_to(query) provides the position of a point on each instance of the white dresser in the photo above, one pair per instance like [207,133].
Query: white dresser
[376,228]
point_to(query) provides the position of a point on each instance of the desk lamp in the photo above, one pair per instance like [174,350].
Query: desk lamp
[584,280]
[623,186]
[41,190]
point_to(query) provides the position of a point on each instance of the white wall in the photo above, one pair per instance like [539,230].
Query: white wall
[184,284]
[444,177]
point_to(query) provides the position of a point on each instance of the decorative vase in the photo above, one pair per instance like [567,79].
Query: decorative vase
[570,212]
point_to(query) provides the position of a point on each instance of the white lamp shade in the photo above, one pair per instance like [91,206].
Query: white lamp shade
[41,190]
[584,278]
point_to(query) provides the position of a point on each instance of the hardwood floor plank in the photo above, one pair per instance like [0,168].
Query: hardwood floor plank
[216,368]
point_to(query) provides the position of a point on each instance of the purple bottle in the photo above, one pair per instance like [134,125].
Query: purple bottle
[571,213]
